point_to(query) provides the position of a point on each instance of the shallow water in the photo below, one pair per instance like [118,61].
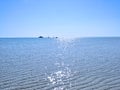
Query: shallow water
[59,64]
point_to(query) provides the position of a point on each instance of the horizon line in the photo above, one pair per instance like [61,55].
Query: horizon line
[66,37]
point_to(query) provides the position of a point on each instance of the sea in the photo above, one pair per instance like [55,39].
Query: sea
[91,63]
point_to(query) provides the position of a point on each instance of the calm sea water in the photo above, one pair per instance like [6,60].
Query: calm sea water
[59,64]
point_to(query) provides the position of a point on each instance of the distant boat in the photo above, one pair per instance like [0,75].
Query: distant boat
[40,37]
[46,37]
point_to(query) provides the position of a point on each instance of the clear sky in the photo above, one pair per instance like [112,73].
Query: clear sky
[62,18]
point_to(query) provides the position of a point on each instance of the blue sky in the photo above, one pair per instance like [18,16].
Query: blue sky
[62,18]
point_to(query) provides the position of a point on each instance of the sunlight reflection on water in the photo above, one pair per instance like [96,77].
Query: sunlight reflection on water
[58,77]
[64,72]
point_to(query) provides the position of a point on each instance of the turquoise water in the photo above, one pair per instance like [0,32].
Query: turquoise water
[60,64]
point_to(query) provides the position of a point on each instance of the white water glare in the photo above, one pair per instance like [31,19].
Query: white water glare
[58,77]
